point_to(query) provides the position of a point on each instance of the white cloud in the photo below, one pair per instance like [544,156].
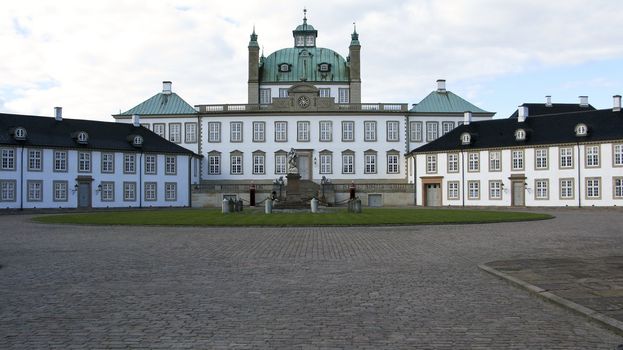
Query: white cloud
[95,58]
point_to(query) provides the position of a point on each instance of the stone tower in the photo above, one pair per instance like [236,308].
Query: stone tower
[254,70]
[354,51]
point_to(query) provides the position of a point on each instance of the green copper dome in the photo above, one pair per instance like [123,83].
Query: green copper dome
[304,64]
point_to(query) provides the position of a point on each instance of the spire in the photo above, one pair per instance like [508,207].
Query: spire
[304,16]
[253,41]
[354,38]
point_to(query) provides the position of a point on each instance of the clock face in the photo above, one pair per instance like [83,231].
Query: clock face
[303,101]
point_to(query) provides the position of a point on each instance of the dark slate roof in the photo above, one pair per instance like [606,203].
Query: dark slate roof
[162,104]
[47,132]
[602,125]
[537,109]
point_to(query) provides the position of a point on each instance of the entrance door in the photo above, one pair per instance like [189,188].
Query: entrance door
[433,195]
[84,195]
[518,194]
[304,167]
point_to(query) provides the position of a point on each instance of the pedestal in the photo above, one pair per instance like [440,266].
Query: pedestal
[293,188]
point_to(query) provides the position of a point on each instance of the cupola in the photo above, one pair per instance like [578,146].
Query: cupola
[305,35]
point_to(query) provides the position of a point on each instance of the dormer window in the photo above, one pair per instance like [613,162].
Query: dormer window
[324,67]
[19,133]
[83,137]
[137,141]
[300,40]
[466,138]
[284,67]
[520,135]
[581,130]
[309,41]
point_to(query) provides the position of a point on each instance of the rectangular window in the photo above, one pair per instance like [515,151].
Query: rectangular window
[473,163]
[593,190]
[348,163]
[108,163]
[541,189]
[190,132]
[60,191]
[369,129]
[617,155]
[235,131]
[281,161]
[393,133]
[108,191]
[415,131]
[283,92]
[453,162]
[432,131]
[446,127]
[35,190]
[170,165]
[326,163]
[566,189]
[35,160]
[265,96]
[431,163]
[170,191]
[617,190]
[151,164]
[258,164]
[159,129]
[392,164]
[214,164]
[302,131]
[495,189]
[214,132]
[540,159]
[495,161]
[325,92]
[235,162]
[7,190]
[517,156]
[8,159]
[326,131]
[150,191]
[370,163]
[348,131]
[60,161]
[84,162]
[453,190]
[473,189]
[175,132]
[145,125]
[566,157]
[129,191]
[129,163]
[281,131]
[259,129]
[344,95]
[592,156]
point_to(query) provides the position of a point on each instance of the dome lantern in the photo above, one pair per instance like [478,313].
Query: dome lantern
[305,35]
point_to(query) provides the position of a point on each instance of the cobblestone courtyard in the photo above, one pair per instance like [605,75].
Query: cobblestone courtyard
[291,288]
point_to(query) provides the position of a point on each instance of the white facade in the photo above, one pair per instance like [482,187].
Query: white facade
[33,177]
[325,90]
[584,174]
[181,130]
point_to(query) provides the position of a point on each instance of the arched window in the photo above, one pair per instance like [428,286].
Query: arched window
[466,138]
[520,134]
[20,133]
[581,130]
[83,137]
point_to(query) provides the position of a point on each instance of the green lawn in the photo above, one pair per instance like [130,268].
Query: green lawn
[339,217]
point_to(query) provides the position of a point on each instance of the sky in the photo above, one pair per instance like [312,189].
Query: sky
[97,58]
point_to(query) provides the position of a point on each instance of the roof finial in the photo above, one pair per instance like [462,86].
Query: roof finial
[304,15]
[354,27]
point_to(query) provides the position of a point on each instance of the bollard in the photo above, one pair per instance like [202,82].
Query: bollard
[239,205]
[231,205]
[357,206]
[268,206]
[225,208]
[314,205]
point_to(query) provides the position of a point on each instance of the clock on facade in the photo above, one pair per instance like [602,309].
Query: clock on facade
[303,101]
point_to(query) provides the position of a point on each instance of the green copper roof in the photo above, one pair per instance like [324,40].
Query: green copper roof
[445,102]
[162,104]
[304,63]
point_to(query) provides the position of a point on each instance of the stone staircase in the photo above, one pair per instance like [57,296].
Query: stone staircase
[307,188]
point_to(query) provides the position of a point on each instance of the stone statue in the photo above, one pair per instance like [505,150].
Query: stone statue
[292,162]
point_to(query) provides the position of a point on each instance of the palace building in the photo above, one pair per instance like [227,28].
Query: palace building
[306,98]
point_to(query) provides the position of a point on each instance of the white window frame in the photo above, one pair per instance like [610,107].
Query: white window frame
[325,131]
[541,189]
[281,163]
[170,191]
[565,155]
[473,162]
[454,192]
[541,158]
[84,162]
[235,132]
[265,97]
[190,132]
[348,163]
[324,92]
[370,163]
[160,129]
[108,191]
[393,163]
[259,131]
[473,189]
[129,163]
[35,160]
[593,187]
[281,131]
[150,191]
[236,164]
[326,163]
[592,156]
[60,189]
[214,132]
[170,165]
[60,161]
[431,164]
[34,190]
[517,160]
[151,164]
[617,187]
[495,189]
[8,190]
[348,131]
[302,131]
[129,191]
[393,131]
[495,160]
[453,162]
[107,163]
[175,132]
[343,95]
[617,155]
[214,163]
[369,131]
[283,92]
[432,131]
[446,127]
[567,188]
[415,131]
[259,163]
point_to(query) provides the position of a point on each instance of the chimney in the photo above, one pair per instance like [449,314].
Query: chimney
[441,85]
[583,101]
[136,120]
[166,87]
[522,113]
[616,103]
[548,101]
[467,118]
[58,114]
